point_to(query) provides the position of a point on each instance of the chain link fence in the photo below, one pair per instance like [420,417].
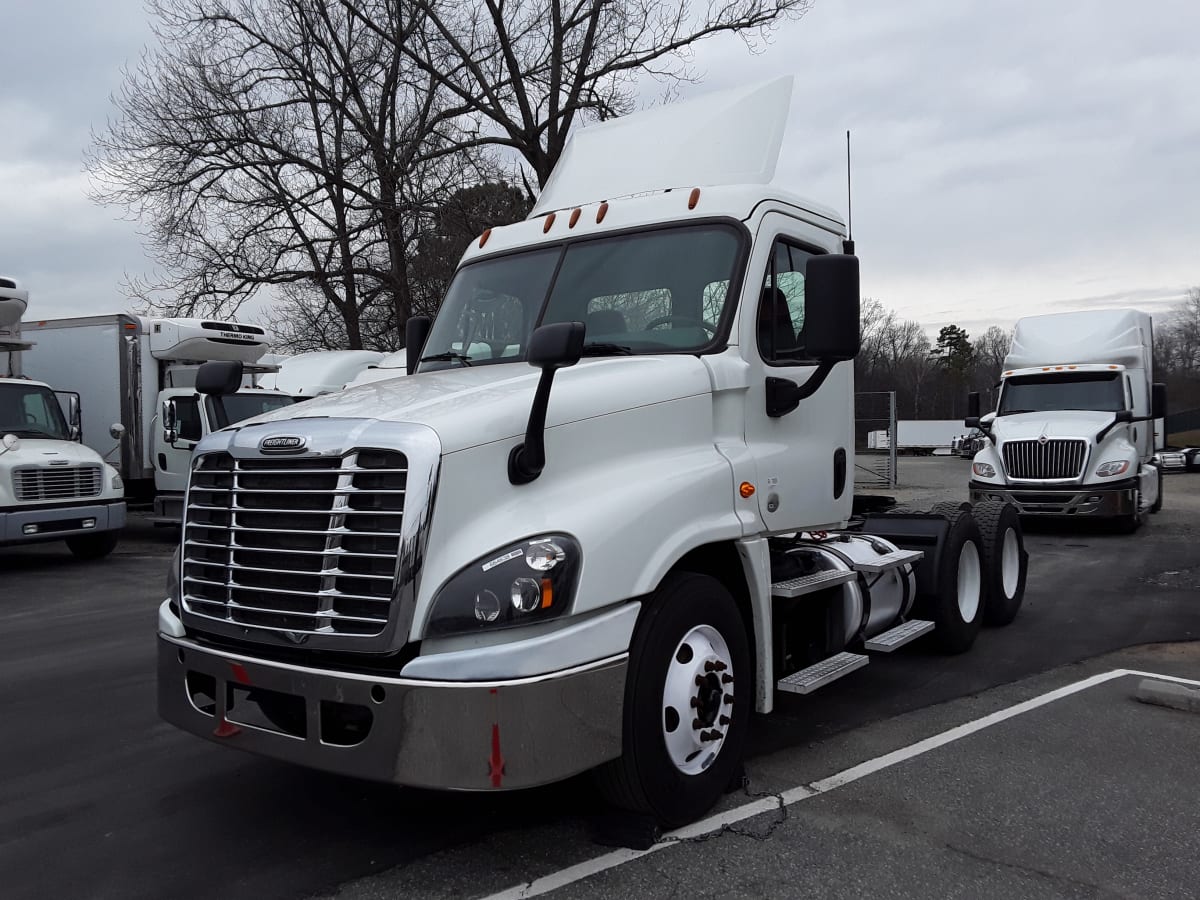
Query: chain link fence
[875,438]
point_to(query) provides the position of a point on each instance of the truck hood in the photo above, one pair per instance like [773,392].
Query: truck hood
[1068,423]
[33,452]
[468,407]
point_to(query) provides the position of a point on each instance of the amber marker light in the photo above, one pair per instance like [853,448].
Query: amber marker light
[574,217]
[549,222]
[601,212]
[693,198]
[746,490]
[547,593]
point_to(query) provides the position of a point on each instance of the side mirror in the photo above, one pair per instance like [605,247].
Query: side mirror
[117,430]
[831,300]
[1158,400]
[68,401]
[973,422]
[416,331]
[219,378]
[1123,415]
[551,347]
[170,418]
[973,405]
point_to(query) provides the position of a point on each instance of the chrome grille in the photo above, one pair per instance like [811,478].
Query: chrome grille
[295,545]
[46,483]
[1057,458]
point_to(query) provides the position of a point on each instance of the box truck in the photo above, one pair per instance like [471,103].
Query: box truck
[141,372]
[1073,430]
[52,487]
[607,516]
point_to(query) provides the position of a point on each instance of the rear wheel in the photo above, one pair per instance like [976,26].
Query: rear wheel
[1005,562]
[1158,498]
[687,703]
[957,605]
[92,546]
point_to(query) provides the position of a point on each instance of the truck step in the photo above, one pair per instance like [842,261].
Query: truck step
[899,636]
[820,674]
[890,561]
[806,584]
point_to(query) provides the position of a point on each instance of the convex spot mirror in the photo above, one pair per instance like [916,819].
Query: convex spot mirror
[117,430]
[10,442]
[831,301]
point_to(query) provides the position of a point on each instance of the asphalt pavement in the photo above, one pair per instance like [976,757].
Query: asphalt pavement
[101,799]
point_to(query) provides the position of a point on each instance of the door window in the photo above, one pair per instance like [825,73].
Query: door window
[781,306]
[187,419]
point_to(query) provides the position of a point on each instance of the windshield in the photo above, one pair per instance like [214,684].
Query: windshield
[647,292]
[1101,391]
[243,406]
[31,411]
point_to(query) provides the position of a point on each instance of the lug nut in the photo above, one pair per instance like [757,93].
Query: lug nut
[710,666]
[726,679]
[729,699]
[700,682]
[697,724]
[724,720]
[721,667]
[713,735]
[695,701]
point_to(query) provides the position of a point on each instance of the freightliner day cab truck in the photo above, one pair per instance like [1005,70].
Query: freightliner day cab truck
[1073,429]
[141,372]
[603,521]
[52,488]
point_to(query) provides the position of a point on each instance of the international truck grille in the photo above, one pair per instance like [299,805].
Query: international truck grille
[1045,460]
[306,546]
[46,483]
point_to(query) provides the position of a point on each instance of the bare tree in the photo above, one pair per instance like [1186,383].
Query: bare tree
[282,145]
[527,70]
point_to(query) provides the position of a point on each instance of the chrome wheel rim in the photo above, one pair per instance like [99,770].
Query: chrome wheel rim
[697,704]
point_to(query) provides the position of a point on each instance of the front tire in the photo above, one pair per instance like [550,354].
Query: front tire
[1158,498]
[92,546]
[688,693]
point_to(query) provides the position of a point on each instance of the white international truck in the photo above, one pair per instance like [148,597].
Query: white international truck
[141,372]
[606,518]
[52,488]
[1073,431]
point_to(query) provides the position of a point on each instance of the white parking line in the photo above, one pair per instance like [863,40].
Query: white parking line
[590,867]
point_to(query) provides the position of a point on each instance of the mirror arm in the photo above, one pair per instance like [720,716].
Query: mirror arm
[784,395]
[1103,433]
[526,460]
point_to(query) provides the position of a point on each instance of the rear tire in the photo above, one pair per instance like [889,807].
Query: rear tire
[1005,562]
[673,768]
[957,606]
[92,546]
[1159,497]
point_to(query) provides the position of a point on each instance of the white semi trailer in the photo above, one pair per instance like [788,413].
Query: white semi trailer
[52,487]
[1073,430]
[141,372]
[607,517]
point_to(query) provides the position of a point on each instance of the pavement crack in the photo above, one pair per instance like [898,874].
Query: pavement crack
[1028,870]
[759,834]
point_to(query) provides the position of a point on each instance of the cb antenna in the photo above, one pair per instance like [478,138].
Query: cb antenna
[848,243]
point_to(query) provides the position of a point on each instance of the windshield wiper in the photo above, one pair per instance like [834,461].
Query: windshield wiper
[600,349]
[448,356]
[1016,412]
[33,433]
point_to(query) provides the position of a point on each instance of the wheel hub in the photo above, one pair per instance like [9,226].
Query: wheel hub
[698,700]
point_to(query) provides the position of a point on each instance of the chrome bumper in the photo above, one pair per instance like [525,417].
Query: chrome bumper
[1077,500]
[481,735]
[56,523]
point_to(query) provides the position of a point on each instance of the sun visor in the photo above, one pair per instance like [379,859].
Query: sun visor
[724,137]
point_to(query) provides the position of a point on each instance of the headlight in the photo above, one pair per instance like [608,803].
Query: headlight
[1113,467]
[530,581]
[983,470]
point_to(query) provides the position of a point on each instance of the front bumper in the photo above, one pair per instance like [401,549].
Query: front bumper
[57,522]
[476,735]
[1099,501]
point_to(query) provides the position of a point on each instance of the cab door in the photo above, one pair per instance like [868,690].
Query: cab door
[172,458]
[804,455]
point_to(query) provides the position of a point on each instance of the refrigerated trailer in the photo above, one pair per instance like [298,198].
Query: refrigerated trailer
[141,371]
[607,517]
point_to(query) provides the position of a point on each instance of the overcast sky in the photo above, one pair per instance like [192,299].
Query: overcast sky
[1010,157]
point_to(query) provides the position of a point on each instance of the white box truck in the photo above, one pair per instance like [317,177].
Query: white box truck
[141,372]
[52,487]
[1073,429]
[603,540]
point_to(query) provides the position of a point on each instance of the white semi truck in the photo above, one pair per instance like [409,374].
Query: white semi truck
[141,372]
[52,487]
[1073,430]
[321,371]
[605,519]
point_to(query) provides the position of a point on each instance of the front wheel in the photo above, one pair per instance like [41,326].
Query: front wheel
[92,546]
[687,703]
